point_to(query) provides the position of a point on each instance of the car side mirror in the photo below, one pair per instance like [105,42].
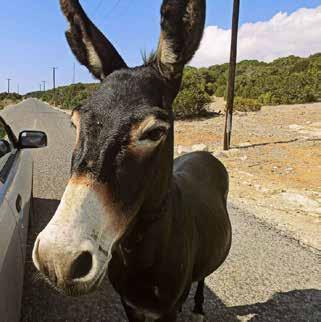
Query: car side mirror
[4,148]
[32,140]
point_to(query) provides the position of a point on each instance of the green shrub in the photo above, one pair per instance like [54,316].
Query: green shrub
[8,99]
[191,102]
[246,104]
[66,97]
[193,97]
[220,91]
[210,88]
[287,80]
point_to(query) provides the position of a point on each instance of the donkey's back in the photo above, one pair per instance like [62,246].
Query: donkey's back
[203,182]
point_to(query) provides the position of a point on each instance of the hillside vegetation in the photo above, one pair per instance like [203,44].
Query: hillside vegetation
[66,97]
[288,80]
[7,99]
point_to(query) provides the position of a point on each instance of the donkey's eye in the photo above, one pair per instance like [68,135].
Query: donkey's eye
[154,134]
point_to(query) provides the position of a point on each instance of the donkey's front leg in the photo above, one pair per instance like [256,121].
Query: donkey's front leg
[132,315]
[171,317]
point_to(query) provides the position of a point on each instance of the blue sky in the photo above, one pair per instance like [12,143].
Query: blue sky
[33,33]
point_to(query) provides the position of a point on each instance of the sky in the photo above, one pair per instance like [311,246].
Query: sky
[32,35]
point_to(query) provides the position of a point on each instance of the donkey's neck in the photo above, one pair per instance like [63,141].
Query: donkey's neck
[147,235]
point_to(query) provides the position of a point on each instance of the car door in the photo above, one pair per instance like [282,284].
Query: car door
[11,256]
[19,191]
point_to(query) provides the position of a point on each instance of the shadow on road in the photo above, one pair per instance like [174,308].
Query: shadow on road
[41,303]
[296,305]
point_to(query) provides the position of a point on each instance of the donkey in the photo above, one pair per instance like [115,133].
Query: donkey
[152,224]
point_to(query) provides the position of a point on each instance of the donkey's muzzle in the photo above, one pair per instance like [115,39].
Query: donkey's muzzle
[66,270]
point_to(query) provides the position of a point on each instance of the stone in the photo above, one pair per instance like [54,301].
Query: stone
[301,201]
[295,127]
[244,144]
[181,149]
[200,147]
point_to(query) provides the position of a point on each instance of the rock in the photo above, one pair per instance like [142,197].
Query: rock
[244,144]
[227,154]
[295,127]
[200,147]
[181,149]
[301,201]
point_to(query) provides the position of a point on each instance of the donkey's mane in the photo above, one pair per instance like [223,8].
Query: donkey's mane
[148,58]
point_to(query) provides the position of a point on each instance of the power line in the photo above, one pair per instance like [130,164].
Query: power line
[113,8]
[98,6]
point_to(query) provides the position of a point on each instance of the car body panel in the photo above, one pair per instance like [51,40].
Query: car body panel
[12,266]
[15,197]
[20,188]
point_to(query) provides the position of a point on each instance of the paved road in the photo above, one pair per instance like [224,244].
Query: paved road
[267,276]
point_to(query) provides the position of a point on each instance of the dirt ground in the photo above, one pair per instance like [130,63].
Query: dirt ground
[274,164]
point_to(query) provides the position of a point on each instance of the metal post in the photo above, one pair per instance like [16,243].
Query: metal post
[54,83]
[8,79]
[231,80]
[54,78]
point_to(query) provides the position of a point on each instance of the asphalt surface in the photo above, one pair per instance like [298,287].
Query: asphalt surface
[267,277]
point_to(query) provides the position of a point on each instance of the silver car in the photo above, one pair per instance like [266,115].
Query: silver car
[16,169]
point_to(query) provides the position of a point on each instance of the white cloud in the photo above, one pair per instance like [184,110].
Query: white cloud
[283,35]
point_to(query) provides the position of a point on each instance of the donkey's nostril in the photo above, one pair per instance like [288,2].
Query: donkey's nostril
[81,266]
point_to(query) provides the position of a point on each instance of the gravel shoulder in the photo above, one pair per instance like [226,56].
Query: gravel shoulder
[274,164]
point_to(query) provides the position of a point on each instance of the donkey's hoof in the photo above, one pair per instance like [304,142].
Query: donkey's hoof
[197,317]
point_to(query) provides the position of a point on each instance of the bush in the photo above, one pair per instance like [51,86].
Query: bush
[288,80]
[66,97]
[193,97]
[9,98]
[191,102]
[246,104]
[220,91]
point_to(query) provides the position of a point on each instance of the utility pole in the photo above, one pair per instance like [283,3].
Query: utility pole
[231,79]
[54,83]
[54,77]
[44,85]
[8,79]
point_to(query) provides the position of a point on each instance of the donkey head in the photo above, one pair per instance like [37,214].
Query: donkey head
[122,161]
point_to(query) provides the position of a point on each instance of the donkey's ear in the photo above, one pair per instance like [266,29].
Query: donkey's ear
[89,45]
[182,26]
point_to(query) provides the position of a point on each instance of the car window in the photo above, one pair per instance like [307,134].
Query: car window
[6,147]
